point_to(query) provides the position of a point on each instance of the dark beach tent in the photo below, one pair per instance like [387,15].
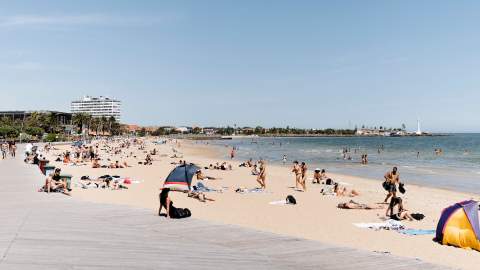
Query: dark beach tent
[459,226]
[180,178]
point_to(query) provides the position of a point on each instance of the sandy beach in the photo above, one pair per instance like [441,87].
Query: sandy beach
[314,217]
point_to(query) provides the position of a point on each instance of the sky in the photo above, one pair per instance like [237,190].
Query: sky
[307,64]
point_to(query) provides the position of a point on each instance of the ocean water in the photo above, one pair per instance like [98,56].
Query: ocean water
[458,168]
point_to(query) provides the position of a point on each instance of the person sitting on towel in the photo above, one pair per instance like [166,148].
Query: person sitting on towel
[55,183]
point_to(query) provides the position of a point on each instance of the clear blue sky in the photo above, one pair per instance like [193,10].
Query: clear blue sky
[273,63]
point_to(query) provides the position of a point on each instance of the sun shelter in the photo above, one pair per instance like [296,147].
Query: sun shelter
[180,178]
[459,226]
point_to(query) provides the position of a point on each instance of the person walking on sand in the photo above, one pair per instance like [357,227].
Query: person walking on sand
[298,173]
[262,175]
[13,150]
[392,179]
[303,182]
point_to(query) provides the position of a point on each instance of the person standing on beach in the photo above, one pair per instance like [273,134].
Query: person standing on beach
[13,150]
[392,178]
[4,150]
[303,182]
[298,173]
[232,153]
[284,159]
[262,175]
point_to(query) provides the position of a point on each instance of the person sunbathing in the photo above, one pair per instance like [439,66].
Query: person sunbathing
[355,205]
[117,165]
[343,191]
[95,164]
[401,214]
[200,176]
[199,196]
[255,170]
[55,183]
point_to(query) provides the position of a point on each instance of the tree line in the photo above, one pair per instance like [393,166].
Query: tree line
[39,125]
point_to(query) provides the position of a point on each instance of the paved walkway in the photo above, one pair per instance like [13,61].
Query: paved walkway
[40,231]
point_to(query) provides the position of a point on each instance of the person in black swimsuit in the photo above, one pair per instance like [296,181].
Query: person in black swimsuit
[172,211]
[54,182]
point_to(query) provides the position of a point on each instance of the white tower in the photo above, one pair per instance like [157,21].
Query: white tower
[419,131]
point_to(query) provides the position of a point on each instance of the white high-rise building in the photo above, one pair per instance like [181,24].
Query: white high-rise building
[97,107]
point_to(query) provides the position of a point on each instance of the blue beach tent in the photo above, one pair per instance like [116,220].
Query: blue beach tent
[180,178]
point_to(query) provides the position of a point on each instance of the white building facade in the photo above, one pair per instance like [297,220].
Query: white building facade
[97,107]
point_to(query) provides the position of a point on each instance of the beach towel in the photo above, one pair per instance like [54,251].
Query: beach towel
[200,187]
[416,232]
[253,190]
[282,202]
[387,225]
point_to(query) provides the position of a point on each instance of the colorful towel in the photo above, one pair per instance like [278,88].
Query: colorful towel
[417,232]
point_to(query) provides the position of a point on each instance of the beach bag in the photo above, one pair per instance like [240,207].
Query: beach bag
[401,188]
[181,213]
[386,185]
[291,200]
[418,216]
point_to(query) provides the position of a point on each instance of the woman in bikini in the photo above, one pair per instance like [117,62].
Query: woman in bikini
[298,173]
[261,178]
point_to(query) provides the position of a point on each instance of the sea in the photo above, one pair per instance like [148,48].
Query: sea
[455,167]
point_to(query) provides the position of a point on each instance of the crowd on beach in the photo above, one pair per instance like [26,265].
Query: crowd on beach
[113,153]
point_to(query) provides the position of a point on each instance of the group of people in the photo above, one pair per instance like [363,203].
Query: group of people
[8,148]
[300,172]
[392,184]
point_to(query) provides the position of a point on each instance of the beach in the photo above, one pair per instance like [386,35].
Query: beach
[315,216]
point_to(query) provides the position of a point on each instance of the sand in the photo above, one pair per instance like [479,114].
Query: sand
[315,217]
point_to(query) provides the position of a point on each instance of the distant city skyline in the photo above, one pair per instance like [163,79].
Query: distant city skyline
[306,64]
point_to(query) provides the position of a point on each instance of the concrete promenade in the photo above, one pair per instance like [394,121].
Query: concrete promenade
[53,231]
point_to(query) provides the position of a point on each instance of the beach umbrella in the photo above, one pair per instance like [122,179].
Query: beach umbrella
[180,178]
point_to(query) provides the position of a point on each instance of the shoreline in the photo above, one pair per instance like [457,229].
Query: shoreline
[315,217]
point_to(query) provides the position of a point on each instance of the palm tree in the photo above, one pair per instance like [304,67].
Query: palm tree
[103,124]
[111,122]
[95,125]
[81,120]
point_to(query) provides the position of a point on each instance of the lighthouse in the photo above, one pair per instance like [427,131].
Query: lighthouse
[419,131]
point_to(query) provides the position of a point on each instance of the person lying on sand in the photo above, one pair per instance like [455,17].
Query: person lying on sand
[200,176]
[117,165]
[343,191]
[199,196]
[355,205]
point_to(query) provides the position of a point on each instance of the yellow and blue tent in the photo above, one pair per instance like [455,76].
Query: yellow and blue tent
[459,226]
